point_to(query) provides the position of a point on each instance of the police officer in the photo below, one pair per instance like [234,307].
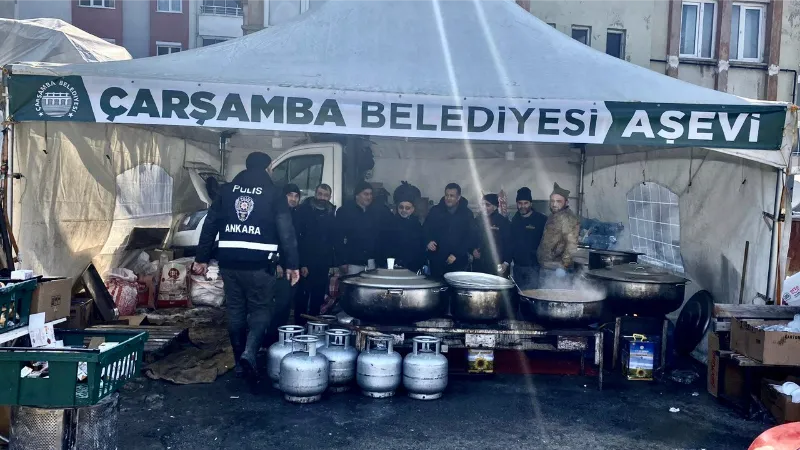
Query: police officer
[252,218]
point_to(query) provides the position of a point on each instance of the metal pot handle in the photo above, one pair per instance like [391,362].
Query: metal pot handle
[465,294]
[394,292]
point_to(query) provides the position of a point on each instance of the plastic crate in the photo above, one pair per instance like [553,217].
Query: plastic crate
[15,305]
[107,371]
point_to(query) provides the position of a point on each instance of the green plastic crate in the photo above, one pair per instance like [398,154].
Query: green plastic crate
[15,305]
[107,371]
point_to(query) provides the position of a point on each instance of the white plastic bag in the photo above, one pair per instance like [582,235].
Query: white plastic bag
[207,292]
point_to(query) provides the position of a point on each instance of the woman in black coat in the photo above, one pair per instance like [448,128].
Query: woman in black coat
[401,238]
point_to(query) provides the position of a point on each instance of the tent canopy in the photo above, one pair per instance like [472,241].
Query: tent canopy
[491,49]
[482,70]
[53,41]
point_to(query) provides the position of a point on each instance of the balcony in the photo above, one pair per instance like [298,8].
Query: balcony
[221,10]
[220,21]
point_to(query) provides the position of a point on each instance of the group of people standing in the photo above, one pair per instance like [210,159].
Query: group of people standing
[363,235]
[253,219]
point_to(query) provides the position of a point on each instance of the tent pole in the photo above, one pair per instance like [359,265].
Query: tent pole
[222,142]
[580,179]
[773,248]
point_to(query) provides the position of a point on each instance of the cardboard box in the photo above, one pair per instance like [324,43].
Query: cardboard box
[53,298]
[780,405]
[767,347]
[712,374]
[80,314]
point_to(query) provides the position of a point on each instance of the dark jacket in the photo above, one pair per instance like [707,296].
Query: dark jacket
[402,239]
[254,223]
[452,234]
[526,234]
[357,232]
[496,236]
[315,234]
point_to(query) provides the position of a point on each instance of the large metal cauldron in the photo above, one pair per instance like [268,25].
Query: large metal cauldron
[565,307]
[600,259]
[639,289]
[478,297]
[392,296]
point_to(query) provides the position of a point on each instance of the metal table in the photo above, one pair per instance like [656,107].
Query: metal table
[506,334]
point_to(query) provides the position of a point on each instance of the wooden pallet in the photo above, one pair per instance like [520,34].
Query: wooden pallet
[160,338]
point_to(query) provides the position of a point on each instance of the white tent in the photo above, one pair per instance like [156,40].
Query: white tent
[53,41]
[460,71]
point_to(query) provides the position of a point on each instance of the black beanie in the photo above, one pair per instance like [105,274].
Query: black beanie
[524,194]
[257,161]
[492,198]
[361,187]
[289,188]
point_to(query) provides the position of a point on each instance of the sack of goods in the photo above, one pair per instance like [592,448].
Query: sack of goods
[173,290]
[122,286]
[207,290]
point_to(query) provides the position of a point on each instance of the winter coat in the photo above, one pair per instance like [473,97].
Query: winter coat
[357,233]
[526,234]
[254,223]
[452,233]
[560,240]
[496,236]
[402,239]
[315,233]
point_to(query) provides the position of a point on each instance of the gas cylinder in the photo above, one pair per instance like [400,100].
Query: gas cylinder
[425,369]
[342,357]
[318,329]
[379,368]
[304,373]
[280,349]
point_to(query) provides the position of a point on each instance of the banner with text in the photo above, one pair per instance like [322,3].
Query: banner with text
[162,102]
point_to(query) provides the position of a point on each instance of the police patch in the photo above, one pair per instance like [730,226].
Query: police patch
[244,206]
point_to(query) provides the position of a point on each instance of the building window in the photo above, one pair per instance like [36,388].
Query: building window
[222,7]
[212,41]
[582,34]
[655,225]
[166,48]
[747,32]
[698,26]
[97,3]
[171,6]
[615,43]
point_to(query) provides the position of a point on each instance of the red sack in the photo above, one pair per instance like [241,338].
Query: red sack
[123,288]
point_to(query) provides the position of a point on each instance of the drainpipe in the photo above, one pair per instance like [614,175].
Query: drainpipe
[773,248]
[580,179]
[223,150]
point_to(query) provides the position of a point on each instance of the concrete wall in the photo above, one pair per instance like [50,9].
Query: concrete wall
[34,9]
[169,27]
[7,9]
[105,23]
[136,28]
[633,17]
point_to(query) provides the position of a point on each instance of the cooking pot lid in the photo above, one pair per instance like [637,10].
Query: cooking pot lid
[637,273]
[476,280]
[391,279]
[392,274]
[615,252]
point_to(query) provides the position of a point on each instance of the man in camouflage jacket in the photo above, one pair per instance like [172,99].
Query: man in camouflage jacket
[560,238]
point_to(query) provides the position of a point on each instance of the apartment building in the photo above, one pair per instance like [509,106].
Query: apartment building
[143,27]
[749,48]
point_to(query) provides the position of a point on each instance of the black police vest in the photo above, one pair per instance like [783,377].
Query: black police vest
[248,234]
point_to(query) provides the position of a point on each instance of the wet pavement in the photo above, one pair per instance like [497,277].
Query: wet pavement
[508,411]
